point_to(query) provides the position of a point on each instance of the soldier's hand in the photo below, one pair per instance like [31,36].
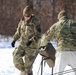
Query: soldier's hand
[28,43]
[42,48]
[13,43]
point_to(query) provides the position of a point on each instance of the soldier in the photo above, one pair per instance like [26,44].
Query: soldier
[64,31]
[29,32]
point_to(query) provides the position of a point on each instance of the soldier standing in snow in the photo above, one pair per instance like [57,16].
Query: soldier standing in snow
[65,33]
[29,32]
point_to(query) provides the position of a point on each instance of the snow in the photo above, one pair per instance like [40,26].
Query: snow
[6,60]
[6,63]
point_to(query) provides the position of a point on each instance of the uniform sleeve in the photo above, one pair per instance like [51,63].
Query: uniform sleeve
[73,30]
[37,30]
[49,35]
[73,27]
[17,33]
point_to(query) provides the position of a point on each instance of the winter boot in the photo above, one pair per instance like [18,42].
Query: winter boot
[29,74]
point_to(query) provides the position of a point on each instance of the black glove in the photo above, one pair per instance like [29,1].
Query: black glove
[28,43]
[42,47]
[13,43]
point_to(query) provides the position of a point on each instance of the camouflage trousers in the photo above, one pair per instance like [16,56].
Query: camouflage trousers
[28,54]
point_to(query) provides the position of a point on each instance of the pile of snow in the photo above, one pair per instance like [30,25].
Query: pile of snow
[6,60]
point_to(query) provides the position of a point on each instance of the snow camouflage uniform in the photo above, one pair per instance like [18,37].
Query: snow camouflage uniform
[65,33]
[26,31]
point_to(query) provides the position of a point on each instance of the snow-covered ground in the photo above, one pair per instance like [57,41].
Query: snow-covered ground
[6,63]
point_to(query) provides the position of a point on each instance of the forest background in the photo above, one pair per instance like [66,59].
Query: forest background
[46,10]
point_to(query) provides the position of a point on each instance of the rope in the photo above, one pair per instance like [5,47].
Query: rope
[66,71]
[62,72]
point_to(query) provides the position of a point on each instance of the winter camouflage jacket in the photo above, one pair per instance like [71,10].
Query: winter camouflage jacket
[28,31]
[65,33]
